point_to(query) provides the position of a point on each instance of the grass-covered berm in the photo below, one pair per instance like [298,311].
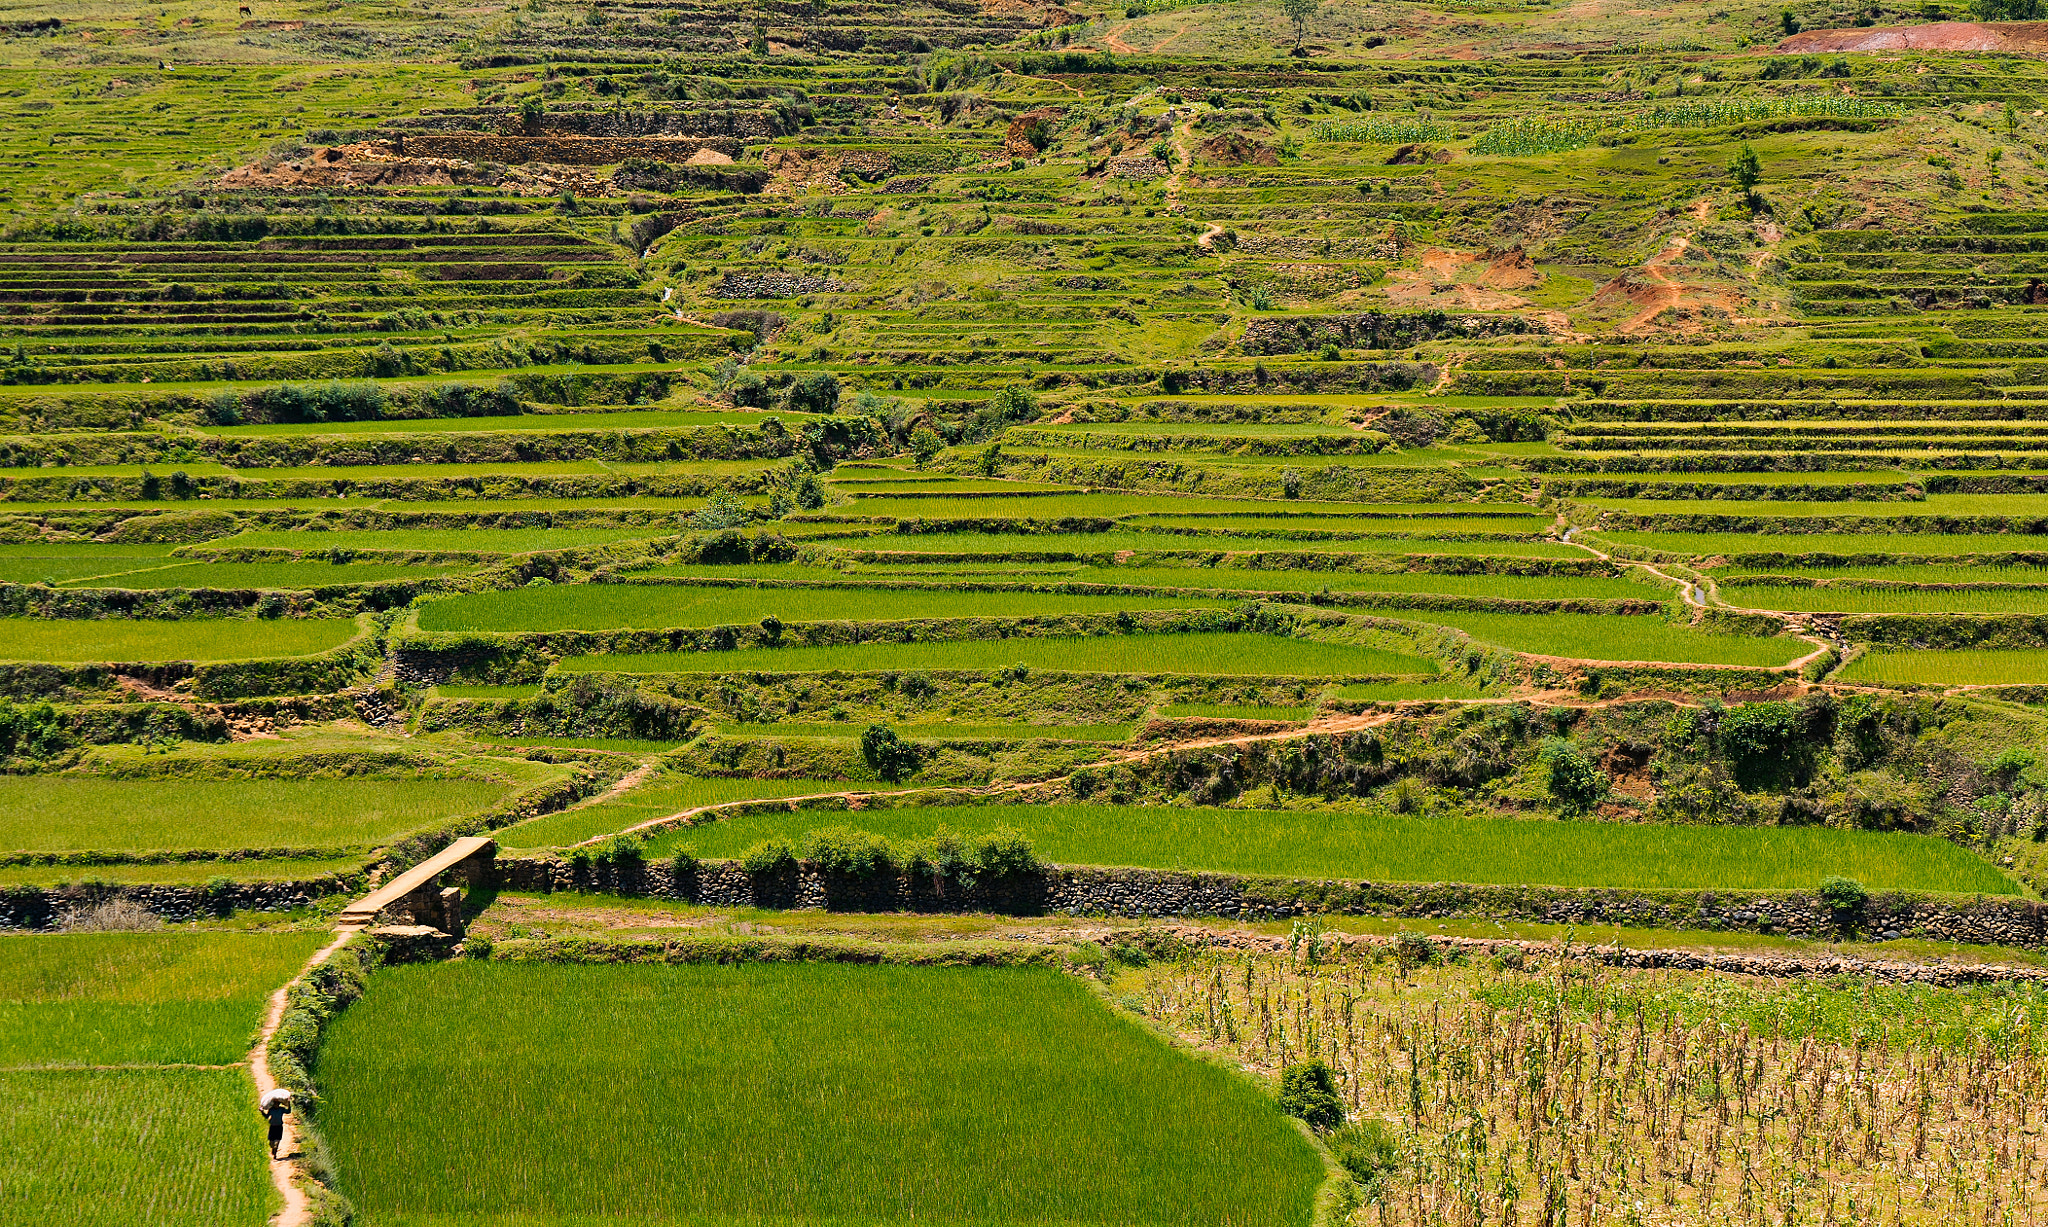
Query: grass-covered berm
[507,1092]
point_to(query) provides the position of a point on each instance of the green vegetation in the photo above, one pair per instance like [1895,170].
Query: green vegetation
[1600,637]
[116,639]
[1950,668]
[844,1094]
[1378,847]
[108,1148]
[292,575]
[140,998]
[1199,653]
[604,606]
[71,813]
[658,798]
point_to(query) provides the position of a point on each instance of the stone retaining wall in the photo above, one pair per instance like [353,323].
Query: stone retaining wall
[1974,920]
[40,907]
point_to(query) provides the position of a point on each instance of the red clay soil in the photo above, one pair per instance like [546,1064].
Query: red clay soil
[2012,37]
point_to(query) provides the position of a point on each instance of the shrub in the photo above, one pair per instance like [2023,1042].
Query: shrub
[681,864]
[1004,852]
[942,854]
[34,731]
[1369,1153]
[925,444]
[847,851]
[888,755]
[1413,950]
[1572,777]
[771,855]
[722,510]
[622,852]
[748,390]
[1845,896]
[476,946]
[817,392]
[1308,1090]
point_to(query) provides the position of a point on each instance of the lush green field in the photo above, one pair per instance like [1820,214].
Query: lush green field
[1029,544]
[128,1147]
[1931,545]
[650,606]
[447,540]
[1234,711]
[801,1093]
[1841,599]
[140,998]
[1214,654]
[134,640]
[647,419]
[188,873]
[658,798]
[53,564]
[1967,667]
[1910,573]
[65,813]
[1376,847]
[291,575]
[1342,525]
[1602,637]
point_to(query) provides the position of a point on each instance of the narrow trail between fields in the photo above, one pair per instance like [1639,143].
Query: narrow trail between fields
[1700,596]
[1181,158]
[285,1172]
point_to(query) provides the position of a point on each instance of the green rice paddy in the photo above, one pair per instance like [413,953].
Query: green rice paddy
[197,639]
[606,606]
[660,797]
[140,998]
[1961,667]
[787,1093]
[67,813]
[1382,847]
[1223,653]
[1603,637]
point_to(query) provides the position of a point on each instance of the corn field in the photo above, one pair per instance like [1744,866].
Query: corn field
[1573,1095]
[1383,131]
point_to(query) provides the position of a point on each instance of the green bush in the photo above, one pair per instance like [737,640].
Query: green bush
[888,755]
[817,392]
[1004,852]
[1573,778]
[847,851]
[1308,1090]
[1845,896]
[1369,1153]
[771,855]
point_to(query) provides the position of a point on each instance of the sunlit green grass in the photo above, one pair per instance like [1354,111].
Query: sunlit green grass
[1027,545]
[1604,637]
[114,1148]
[658,798]
[1910,573]
[63,813]
[449,540]
[1845,599]
[787,1094]
[1846,544]
[1966,667]
[1220,653]
[607,606]
[286,575]
[140,998]
[133,639]
[1378,847]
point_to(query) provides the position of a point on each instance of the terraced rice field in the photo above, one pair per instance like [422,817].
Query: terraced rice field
[1382,847]
[1403,443]
[1193,653]
[878,1093]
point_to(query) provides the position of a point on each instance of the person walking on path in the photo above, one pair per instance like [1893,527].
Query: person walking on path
[274,1105]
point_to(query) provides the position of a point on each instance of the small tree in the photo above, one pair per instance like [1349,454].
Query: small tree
[1574,779]
[925,444]
[888,755]
[1747,172]
[1309,1091]
[1788,22]
[1300,13]
[722,510]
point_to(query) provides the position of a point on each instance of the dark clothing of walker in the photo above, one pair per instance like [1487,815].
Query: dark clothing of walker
[275,1111]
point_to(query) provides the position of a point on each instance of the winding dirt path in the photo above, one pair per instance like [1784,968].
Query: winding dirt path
[284,1169]
[1666,292]
[1114,40]
[1701,596]
[1181,159]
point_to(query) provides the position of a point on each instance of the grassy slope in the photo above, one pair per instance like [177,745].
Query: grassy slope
[1219,654]
[140,998]
[1382,847]
[46,814]
[115,639]
[804,1093]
